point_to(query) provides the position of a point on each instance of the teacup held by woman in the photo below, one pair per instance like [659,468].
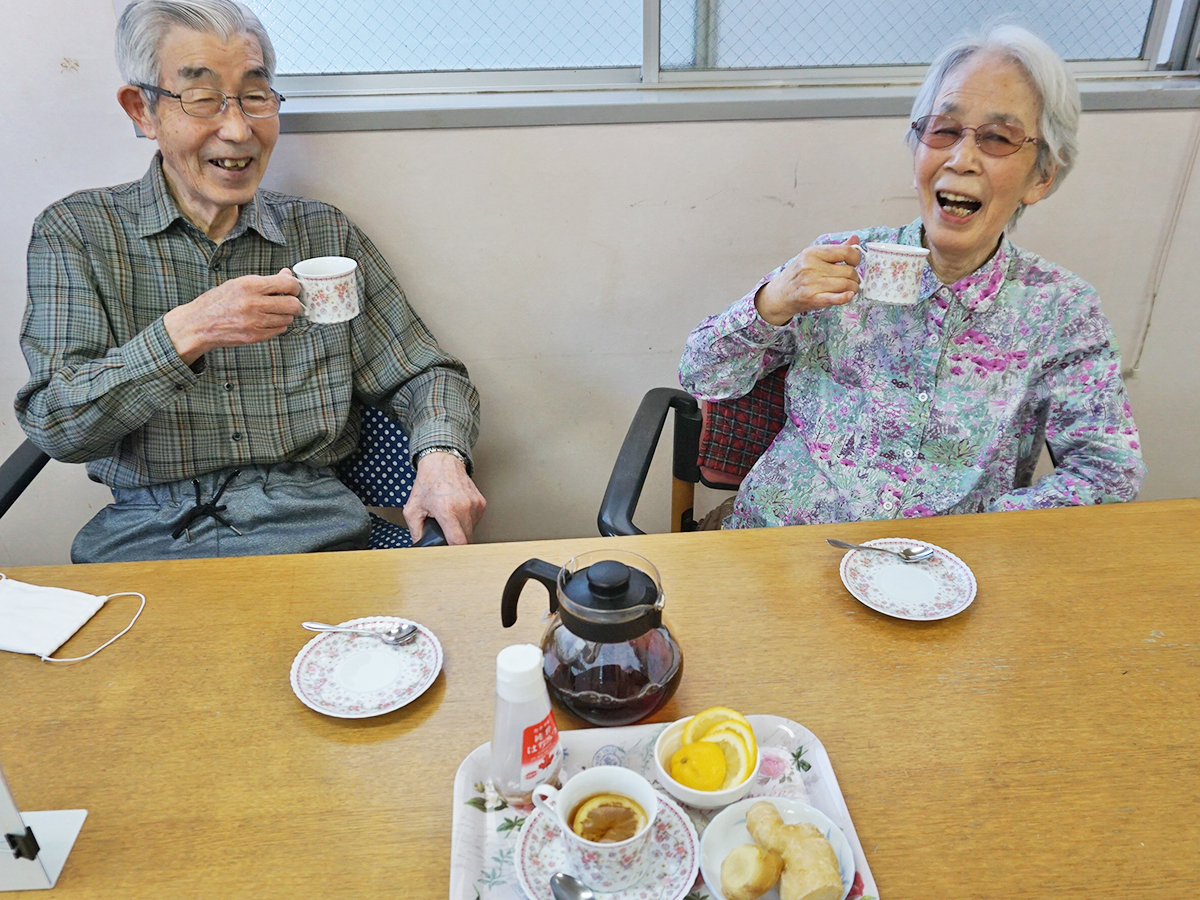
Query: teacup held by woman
[891,273]
[328,288]
[604,803]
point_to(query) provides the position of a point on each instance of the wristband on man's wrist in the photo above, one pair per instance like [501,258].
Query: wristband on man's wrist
[453,451]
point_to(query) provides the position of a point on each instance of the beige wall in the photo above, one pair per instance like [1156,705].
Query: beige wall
[567,264]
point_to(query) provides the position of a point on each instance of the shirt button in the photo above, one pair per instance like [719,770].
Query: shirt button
[933,339]
[888,505]
[237,435]
[179,387]
[229,386]
[909,454]
[923,397]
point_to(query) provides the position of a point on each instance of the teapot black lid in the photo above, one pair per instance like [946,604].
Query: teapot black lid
[610,585]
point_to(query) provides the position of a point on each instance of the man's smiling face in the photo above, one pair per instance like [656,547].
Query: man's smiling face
[213,166]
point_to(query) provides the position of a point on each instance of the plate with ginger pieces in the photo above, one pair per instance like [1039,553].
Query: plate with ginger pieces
[728,829]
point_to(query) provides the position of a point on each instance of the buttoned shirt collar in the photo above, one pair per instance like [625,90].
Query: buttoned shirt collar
[158,211]
[977,291]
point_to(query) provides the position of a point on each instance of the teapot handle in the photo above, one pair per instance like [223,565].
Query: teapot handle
[531,568]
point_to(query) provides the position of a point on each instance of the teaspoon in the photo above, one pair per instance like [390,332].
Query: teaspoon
[564,887]
[394,636]
[908,554]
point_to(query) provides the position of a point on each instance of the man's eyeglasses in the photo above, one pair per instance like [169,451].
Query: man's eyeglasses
[994,138]
[207,103]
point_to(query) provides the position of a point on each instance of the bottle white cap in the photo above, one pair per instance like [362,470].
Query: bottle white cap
[519,672]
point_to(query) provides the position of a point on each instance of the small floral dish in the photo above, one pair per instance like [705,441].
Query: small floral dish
[728,830]
[674,853]
[937,588]
[354,676]
[670,741]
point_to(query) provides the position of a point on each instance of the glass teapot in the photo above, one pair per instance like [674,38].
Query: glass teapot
[608,655]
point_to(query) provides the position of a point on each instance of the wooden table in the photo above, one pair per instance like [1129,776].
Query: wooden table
[1042,743]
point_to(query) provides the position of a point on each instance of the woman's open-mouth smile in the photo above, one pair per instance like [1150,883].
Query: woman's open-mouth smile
[958,206]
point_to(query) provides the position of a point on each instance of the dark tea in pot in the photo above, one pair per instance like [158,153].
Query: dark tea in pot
[612,684]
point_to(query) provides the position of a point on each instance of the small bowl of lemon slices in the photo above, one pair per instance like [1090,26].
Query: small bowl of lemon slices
[709,759]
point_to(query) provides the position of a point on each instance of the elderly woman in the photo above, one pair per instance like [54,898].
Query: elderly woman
[941,406]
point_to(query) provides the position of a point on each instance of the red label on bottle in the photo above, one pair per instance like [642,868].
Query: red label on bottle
[539,748]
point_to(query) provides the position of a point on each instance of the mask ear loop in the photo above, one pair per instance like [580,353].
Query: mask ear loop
[110,640]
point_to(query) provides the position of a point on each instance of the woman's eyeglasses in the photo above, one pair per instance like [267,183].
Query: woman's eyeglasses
[994,138]
[207,103]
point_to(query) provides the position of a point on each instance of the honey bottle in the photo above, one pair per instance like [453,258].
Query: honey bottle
[525,749]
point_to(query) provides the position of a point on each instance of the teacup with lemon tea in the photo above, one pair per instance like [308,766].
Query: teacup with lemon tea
[604,816]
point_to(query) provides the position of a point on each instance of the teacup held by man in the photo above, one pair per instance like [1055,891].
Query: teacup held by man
[328,288]
[891,273]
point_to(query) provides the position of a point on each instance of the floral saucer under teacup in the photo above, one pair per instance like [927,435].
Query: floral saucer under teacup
[353,676]
[937,588]
[673,847]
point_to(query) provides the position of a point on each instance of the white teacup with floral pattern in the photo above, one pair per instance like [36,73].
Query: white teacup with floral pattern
[891,273]
[328,288]
[603,867]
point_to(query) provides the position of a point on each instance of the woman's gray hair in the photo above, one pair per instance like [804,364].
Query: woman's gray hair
[145,23]
[1058,124]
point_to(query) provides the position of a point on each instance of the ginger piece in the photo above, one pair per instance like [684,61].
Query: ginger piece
[749,871]
[810,867]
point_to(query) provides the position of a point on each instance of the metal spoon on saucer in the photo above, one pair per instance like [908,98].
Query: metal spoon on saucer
[564,887]
[908,554]
[394,636]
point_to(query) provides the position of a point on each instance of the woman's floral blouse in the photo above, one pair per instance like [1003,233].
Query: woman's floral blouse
[938,407]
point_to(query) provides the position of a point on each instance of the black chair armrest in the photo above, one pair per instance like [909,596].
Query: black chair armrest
[17,471]
[633,462]
[432,535]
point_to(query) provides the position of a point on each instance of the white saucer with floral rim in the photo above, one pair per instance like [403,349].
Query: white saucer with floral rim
[354,676]
[937,588]
[670,873]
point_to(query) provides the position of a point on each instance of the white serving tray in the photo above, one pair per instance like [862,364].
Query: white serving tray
[484,830]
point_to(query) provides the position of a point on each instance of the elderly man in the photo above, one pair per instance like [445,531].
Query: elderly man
[168,350]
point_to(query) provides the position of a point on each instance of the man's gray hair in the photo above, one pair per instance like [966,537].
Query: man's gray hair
[145,23]
[1057,93]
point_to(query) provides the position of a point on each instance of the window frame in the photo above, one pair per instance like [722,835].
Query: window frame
[648,93]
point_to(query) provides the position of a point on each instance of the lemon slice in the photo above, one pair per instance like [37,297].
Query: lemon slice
[739,764]
[608,818]
[702,722]
[699,766]
[744,731]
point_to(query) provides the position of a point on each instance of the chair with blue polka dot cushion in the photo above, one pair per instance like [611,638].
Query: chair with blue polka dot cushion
[380,474]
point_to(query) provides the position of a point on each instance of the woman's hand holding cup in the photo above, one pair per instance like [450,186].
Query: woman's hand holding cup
[821,275]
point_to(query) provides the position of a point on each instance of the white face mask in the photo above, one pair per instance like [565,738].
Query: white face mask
[39,620]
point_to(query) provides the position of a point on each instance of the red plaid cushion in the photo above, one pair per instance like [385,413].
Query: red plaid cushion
[737,432]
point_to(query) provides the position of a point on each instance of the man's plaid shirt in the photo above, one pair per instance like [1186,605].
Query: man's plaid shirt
[107,387]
